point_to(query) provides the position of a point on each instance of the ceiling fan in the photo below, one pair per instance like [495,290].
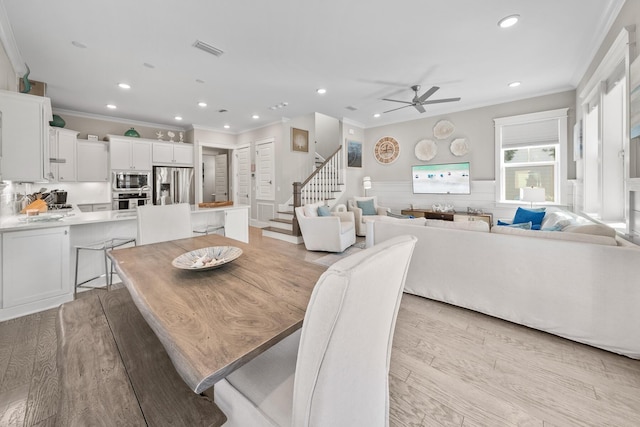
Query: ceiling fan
[419,101]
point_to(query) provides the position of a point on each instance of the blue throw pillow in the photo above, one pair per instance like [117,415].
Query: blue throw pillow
[324,211]
[367,207]
[534,216]
[555,227]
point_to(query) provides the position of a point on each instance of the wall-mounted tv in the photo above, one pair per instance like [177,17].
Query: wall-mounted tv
[445,178]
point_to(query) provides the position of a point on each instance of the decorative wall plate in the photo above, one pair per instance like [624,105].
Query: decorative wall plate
[459,147]
[386,150]
[443,129]
[426,150]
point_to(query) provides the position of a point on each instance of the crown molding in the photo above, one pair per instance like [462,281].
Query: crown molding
[9,43]
[351,122]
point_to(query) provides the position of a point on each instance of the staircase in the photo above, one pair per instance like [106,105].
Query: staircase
[325,184]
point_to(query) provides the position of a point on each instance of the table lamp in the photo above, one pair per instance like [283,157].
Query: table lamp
[366,183]
[532,195]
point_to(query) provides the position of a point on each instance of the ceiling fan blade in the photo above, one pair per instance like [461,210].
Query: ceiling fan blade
[427,94]
[395,100]
[399,108]
[420,108]
[437,101]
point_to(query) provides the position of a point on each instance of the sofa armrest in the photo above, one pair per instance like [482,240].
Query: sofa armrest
[381,210]
[357,212]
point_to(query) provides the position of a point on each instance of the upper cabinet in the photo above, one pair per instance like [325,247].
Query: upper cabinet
[62,155]
[172,154]
[93,161]
[129,154]
[24,137]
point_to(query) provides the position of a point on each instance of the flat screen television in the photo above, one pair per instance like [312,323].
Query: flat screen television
[445,178]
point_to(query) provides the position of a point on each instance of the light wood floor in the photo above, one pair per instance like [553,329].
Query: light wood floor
[449,367]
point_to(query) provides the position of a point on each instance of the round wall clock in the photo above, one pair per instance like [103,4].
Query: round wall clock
[386,150]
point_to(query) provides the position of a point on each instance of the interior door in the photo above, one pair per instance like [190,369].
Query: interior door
[208,178]
[244,176]
[222,185]
[265,169]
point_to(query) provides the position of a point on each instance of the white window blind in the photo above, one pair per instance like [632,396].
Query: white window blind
[542,132]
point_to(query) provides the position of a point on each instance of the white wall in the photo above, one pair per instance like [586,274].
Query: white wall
[8,77]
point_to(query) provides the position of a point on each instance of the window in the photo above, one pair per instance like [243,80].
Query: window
[529,153]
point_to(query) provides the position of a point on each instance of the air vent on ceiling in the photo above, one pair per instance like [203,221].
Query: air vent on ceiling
[350,107]
[207,48]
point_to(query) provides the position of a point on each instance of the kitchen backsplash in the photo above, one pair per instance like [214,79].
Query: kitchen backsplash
[77,192]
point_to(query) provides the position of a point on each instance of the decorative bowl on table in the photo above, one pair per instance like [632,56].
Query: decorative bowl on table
[207,258]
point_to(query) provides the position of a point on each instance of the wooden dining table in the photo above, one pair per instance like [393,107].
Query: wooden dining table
[212,322]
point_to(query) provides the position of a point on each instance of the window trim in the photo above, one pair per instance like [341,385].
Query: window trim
[561,115]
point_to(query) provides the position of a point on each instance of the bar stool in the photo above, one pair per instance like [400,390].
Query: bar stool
[207,229]
[104,246]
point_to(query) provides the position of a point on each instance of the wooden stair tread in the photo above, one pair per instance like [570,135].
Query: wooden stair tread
[281,220]
[278,230]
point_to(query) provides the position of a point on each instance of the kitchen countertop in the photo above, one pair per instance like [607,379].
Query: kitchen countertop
[76,217]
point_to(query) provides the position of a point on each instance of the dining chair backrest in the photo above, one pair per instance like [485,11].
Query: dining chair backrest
[342,368]
[160,223]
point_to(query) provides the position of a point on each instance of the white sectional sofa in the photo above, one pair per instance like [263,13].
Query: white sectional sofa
[582,287]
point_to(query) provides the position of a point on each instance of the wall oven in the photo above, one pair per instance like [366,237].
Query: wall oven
[130,181]
[123,201]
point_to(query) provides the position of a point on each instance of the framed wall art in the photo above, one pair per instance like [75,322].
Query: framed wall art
[354,154]
[299,140]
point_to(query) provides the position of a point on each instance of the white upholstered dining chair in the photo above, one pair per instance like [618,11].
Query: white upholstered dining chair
[334,372]
[160,223]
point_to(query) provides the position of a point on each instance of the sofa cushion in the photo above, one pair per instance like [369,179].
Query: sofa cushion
[535,216]
[367,206]
[522,225]
[324,211]
[595,229]
[572,237]
[459,225]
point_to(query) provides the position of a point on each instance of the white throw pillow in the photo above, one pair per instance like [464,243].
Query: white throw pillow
[459,225]
[311,209]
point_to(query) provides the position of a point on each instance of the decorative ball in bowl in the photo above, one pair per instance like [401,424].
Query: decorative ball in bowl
[206,258]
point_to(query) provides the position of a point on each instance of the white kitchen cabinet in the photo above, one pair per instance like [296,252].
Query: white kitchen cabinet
[24,137]
[101,207]
[92,161]
[62,155]
[129,154]
[35,265]
[173,154]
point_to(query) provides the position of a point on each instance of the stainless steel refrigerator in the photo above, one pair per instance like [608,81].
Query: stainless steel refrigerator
[173,185]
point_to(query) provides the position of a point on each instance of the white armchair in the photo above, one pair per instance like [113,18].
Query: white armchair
[360,218]
[333,233]
[336,371]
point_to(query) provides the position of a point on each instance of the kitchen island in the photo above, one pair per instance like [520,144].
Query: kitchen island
[38,257]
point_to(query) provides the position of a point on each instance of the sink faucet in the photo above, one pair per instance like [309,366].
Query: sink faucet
[143,188]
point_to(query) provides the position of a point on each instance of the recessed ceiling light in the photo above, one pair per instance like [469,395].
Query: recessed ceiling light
[508,21]
[124,86]
[321,91]
[514,84]
[178,118]
[146,64]
[79,45]
[255,116]
[227,126]
[111,106]
[202,104]
[376,115]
